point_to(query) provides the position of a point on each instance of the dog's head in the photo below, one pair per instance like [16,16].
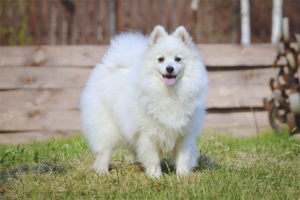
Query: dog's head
[169,53]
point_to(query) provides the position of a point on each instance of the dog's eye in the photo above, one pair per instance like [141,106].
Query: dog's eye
[177,59]
[161,59]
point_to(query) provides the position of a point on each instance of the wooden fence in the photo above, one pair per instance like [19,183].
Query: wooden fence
[40,88]
[52,22]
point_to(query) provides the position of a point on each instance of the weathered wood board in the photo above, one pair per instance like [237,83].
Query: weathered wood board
[231,89]
[29,136]
[68,119]
[40,89]
[41,125]
[42,77]
[214,55]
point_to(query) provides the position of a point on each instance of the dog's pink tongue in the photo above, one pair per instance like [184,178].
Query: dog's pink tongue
[169,81]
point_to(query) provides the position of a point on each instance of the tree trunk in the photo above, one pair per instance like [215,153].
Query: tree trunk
[276,20]
[245,22]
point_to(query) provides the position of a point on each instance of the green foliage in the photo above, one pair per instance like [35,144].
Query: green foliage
[14,34]
[248,168]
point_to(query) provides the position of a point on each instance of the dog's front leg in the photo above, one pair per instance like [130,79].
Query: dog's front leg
[186,153]
[148,156]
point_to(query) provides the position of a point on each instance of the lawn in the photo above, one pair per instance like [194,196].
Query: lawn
[267,167]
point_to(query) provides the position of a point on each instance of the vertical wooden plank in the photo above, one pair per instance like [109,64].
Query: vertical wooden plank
[146,15]
[194,27]
[134,17]
[15,23]
[80,4]
[198,24]
[75,27]
[112,17]
[69,10]
[123,20]
[32,11]
[78,24]
[173,15]
[168,14]
[204,20]
[156,17]
[225,30]
[180,13]
[140,16]
[3,36]
[119,15]
[58,31]
[88,23]
[22,11]
[192,18]
[291,10]
[209,20]
[64,26]
[38,30]
[127,18]
[201,20]
[92,6]
[97,24]
[53,12]
[235,14]
[45,22]
[104,28]
[260,20]
[162,13]
[187,11]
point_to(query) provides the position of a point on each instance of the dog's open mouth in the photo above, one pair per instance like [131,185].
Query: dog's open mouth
[169,79]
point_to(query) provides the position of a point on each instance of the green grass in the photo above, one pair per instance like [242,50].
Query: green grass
[249,168]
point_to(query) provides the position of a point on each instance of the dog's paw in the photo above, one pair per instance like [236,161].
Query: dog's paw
[154,172]
[182,172]
[100,169]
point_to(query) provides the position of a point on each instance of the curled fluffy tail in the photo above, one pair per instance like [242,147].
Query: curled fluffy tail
[125,49]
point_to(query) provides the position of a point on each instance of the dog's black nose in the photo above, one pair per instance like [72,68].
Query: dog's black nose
[170,69]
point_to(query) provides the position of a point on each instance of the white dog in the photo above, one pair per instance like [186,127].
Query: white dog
[149,92]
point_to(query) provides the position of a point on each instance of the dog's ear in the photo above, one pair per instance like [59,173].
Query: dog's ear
[157,32]
[183,35]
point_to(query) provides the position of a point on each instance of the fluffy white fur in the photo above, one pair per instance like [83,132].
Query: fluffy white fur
[127,100]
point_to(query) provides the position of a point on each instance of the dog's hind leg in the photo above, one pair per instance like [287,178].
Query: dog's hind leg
[101,163]
[101,133]
[105,146]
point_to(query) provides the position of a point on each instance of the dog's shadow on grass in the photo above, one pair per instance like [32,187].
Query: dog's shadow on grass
[204,162]
[42,168]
